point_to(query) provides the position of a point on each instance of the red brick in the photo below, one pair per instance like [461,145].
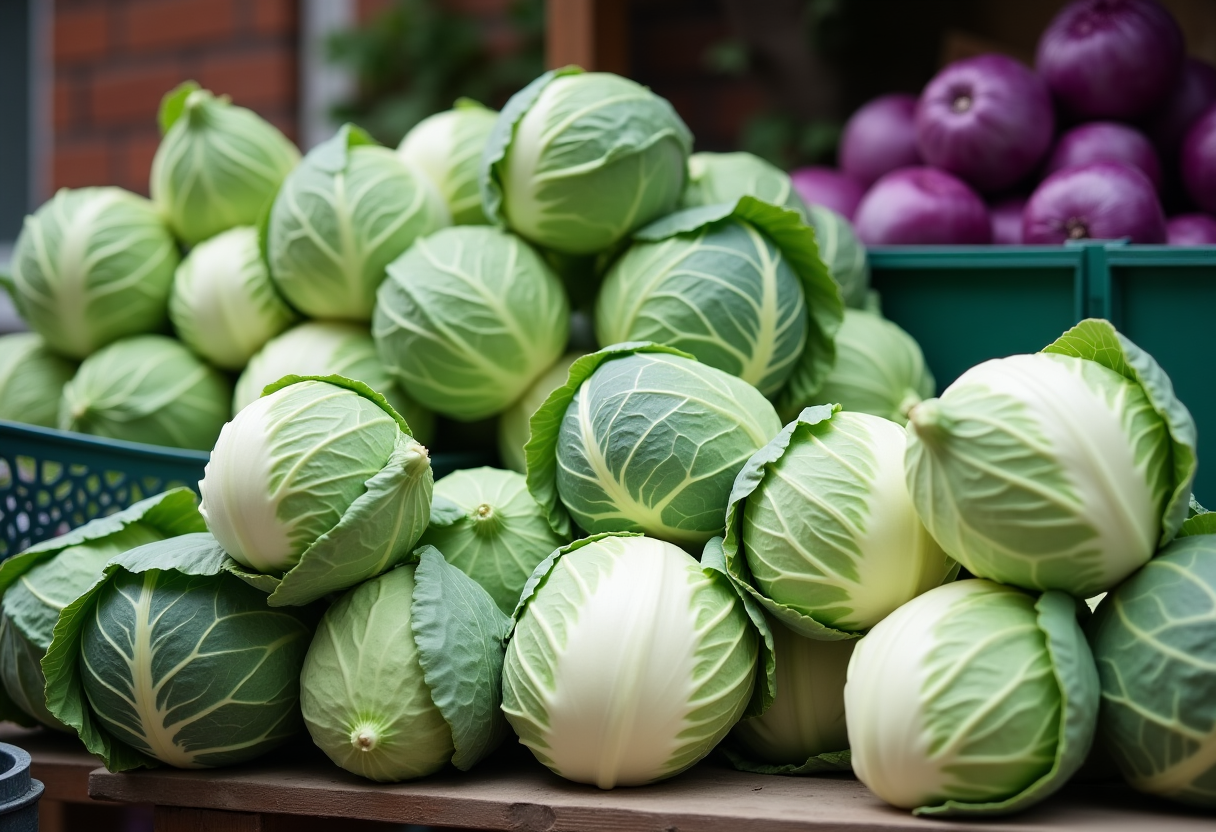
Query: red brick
[132,96]
[367,10]
[64,104]
[136,160]
[274,17]
[81,163]
[160,24]
[265,77]
[80,34]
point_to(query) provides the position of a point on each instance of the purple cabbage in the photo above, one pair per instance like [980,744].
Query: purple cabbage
[1100,201]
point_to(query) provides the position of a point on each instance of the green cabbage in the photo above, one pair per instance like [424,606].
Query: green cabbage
[218,165]
[341,216]
[842,253]
[447,148]
[715,178]
[578,160]
[223,304]
[31,380]
[468,319]
[514,428]
[91,266]
[148,388]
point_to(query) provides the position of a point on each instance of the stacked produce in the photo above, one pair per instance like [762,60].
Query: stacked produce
[740,523]
[1113,125]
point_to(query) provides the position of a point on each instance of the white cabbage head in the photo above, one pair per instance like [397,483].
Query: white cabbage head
[715,178]
[329,348]
[341,216]
[32,379]
[578,160]
[1054,471]
[972,698]
[147,388]
[629,662]
[468,319]
[806,719]
[91,266]
[223,304]
[218,165]
[823,519]
[643,438]
[447,147]
[880,369]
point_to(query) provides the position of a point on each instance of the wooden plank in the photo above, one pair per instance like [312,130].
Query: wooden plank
[176,819]
[593,34]
[512,792]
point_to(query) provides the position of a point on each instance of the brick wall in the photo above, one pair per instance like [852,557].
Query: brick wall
[114,59]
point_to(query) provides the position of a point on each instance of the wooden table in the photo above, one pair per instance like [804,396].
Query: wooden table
[297,788]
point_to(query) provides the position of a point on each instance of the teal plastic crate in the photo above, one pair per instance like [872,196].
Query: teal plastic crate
[52,481]
[968,304]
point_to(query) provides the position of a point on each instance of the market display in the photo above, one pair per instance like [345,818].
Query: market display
[737,517]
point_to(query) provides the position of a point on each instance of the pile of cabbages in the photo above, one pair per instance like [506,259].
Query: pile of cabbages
[738,524]
[1113,123]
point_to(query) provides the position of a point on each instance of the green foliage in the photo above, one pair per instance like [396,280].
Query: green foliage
[416,58]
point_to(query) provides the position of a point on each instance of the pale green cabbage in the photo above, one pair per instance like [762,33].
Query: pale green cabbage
[447,148]
[488,526]
[223,304]
[1154,639]
[341,216]
[31,380]
[740,286]
[628,663]
[1060,470]
[91,266]
[578,160]
[821,527]
[468,319]
[715,178]
[148,388]
[329,348]
[644,438]
[218,165]
[318,486]
[974,698]
[404,674]
[880,369]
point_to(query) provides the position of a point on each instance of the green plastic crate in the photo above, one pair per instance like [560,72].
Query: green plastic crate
[52,481]
[968,304]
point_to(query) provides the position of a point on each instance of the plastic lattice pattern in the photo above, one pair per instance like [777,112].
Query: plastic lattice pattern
[53,481]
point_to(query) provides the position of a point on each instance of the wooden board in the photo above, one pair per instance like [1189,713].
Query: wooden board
[512,792]
[58,760]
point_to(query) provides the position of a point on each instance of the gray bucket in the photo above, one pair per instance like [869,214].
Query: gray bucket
[19,793]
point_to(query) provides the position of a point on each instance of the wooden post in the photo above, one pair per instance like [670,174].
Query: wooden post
[178,819]
[593,34]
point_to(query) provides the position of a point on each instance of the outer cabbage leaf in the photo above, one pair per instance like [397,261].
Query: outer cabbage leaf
[1154,640]
[714,178]
[842,253]
[514,425]
[1097,340]
[173,702]
[796,240]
